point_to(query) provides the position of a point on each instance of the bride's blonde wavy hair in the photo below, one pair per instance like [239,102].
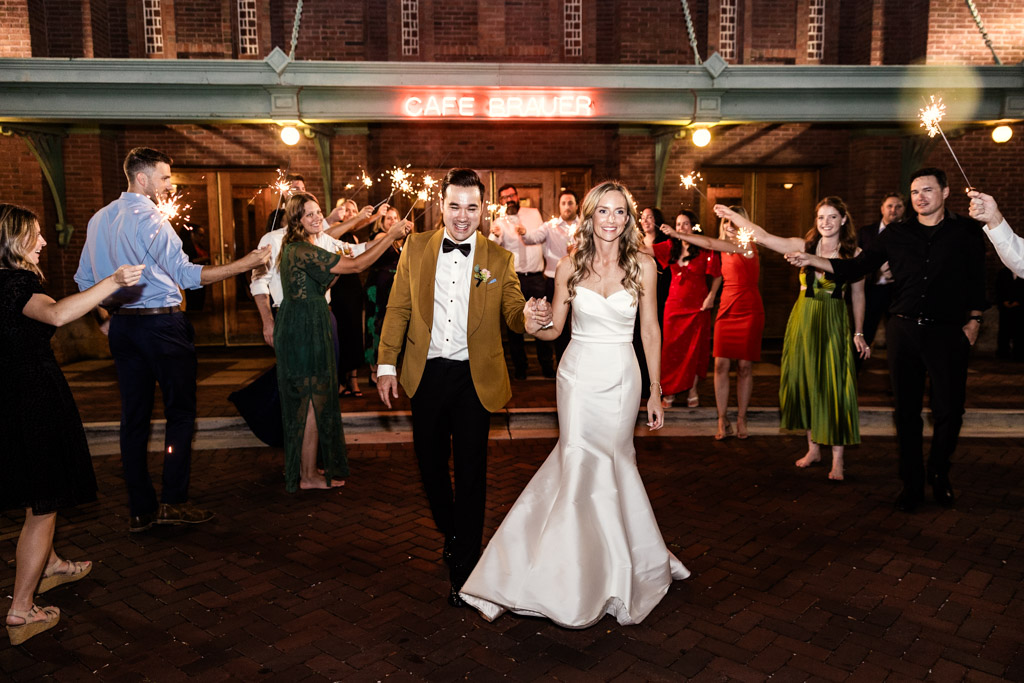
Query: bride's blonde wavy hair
[629,244]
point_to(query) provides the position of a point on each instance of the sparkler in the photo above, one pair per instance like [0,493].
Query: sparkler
[363,182]
[930,117]
[689,182]
[400,182]
[421,196]
[169,208]
[745,237]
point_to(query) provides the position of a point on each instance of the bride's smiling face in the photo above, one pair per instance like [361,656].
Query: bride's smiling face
[611,216]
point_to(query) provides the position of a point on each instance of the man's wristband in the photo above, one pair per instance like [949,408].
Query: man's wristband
[976,317]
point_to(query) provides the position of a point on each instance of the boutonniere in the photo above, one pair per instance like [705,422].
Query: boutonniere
[482,275]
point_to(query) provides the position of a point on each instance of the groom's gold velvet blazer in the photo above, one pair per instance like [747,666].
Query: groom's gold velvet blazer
[411,310]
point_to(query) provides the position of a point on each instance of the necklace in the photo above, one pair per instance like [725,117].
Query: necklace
[817,251]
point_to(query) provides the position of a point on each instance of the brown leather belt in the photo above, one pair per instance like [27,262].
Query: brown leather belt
[163,310]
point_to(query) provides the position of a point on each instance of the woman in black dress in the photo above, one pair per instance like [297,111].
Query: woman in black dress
[44,457]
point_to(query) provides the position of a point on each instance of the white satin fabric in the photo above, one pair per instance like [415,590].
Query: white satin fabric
[581,541]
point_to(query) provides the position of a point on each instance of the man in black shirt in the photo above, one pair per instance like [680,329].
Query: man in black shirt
[938,261]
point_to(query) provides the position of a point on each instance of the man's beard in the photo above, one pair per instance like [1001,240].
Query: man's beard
[511,208]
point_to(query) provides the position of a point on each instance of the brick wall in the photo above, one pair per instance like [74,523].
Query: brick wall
[775,25]
[953,37]
[17,39]
[855,29]
[906,31]
[203,28]
[66,29]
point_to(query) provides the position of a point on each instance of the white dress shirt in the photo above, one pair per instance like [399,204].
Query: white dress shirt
[267,280]
[449,337]
[528,258]
[1009,247]
[557,236]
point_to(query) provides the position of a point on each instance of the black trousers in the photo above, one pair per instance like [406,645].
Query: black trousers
[940,351]
[449,422]
[533,286]
[148,350]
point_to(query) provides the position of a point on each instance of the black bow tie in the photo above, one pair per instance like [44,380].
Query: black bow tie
[448,245]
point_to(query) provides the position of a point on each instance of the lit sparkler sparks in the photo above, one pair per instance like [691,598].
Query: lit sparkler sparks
[400,182]
[689,182]
[169,207]
[421,196]
[745,237]
[930,117]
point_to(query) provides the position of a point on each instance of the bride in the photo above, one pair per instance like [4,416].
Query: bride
[581,541]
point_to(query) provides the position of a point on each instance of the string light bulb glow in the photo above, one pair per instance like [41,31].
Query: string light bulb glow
[1001,134]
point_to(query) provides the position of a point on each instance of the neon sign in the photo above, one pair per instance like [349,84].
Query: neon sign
[496,105]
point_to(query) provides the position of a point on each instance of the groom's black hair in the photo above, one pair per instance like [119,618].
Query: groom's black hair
[462,177]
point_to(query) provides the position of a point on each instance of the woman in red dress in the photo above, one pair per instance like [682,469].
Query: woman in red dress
[686,348]
[739,324]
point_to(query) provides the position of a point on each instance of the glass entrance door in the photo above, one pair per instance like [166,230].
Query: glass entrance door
[227,218]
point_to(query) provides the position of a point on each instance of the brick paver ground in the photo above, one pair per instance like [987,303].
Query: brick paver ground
[794,578]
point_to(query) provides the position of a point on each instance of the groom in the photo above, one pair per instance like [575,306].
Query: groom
[451,291]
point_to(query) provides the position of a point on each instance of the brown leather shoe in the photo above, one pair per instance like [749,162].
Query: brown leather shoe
[184,513]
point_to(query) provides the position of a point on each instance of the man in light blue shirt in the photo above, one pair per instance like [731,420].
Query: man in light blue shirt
[150,338]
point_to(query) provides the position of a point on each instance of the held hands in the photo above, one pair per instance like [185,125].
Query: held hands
[126,276]
[800,259]
[655,413]
[538,315]
[984,208]
[387,388]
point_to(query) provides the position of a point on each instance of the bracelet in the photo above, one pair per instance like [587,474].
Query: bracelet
[858,334]
[978,318]
[659,386]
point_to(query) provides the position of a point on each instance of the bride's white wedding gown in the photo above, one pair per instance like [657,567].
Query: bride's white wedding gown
[581,541]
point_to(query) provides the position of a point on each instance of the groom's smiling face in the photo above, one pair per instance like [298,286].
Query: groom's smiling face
[461,210]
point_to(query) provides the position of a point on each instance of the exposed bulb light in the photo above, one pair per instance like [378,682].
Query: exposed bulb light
[701,137]
[290,135]
[1002,134]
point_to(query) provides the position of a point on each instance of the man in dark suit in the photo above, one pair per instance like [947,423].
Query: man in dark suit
[878,285]
[452,289]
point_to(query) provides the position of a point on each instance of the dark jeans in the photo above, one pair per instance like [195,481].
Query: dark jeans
[148,350]
[448,421]
[940,351]
[533,286]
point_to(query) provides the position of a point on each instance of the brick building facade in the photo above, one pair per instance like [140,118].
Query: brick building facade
[859,163]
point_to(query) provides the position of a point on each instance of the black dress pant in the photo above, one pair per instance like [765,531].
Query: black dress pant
[877,299]
[532,285]
[940,351]
[148,350]
[449,422]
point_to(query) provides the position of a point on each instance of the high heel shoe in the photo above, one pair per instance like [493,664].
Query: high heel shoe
[19,633]
[692,401]
[75,571]
[724,434]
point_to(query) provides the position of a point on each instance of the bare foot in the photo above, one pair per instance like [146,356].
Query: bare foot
[741,427]
[318,483]
[724,430]
[808,459]
[837,468]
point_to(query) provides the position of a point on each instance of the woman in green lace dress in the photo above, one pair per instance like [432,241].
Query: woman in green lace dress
[818,381]
[307,374]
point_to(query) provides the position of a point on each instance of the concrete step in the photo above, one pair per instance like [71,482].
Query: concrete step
[528,423]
